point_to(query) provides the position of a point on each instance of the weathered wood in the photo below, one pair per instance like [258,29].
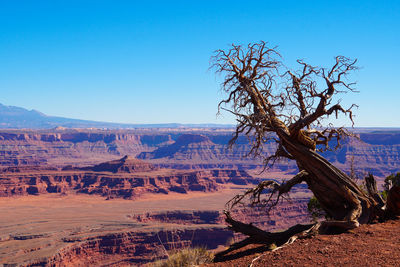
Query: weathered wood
[338,194]
[393,201]
[370,184]
[260,236]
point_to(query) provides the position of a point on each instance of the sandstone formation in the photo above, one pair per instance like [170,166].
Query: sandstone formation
[181,217]
[124,165]
[124,178]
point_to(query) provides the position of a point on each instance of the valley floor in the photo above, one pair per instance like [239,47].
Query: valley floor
[33,228]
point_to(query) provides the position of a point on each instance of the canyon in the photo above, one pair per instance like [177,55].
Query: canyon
[376,151]
[127,197]
[126,178]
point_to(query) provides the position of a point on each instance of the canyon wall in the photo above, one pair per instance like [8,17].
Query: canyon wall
[118,185]
[377,152]
[126,178]
[77,147]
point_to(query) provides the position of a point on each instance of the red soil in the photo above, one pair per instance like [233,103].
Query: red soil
[368,245]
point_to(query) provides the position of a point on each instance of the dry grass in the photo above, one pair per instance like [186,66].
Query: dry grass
[185,258]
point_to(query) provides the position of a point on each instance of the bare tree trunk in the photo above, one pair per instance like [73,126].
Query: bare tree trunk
[370,183]
[339,196]
[393,201]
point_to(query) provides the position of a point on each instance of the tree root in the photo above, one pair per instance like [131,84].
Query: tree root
[283,238]
[263,237]
[258,236]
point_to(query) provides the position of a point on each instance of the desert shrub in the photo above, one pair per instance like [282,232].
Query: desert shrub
[384,194]
[185,258]
[315,209]
[391,180]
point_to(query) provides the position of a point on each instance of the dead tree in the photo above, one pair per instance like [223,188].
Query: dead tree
[272,103]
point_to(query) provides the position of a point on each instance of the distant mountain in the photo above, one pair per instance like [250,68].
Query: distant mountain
[19,118]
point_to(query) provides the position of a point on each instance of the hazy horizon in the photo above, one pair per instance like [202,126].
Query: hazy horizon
[136,62]
[164,125]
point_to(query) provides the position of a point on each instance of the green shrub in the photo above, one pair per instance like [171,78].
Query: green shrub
[393,179]
[384,194]
[185,258]
[315,209]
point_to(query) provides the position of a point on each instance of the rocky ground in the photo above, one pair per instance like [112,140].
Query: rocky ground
[368,245]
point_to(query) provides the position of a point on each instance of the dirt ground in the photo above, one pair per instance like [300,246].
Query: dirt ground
[368,245]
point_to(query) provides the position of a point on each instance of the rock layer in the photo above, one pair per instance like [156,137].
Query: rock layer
[376,151]
[125,178]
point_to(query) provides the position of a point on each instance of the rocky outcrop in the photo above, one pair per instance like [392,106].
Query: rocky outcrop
[124,165]
[181,217]
[28,168]
[108,185]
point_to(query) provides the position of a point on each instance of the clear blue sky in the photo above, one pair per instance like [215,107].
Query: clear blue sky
[147,61]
